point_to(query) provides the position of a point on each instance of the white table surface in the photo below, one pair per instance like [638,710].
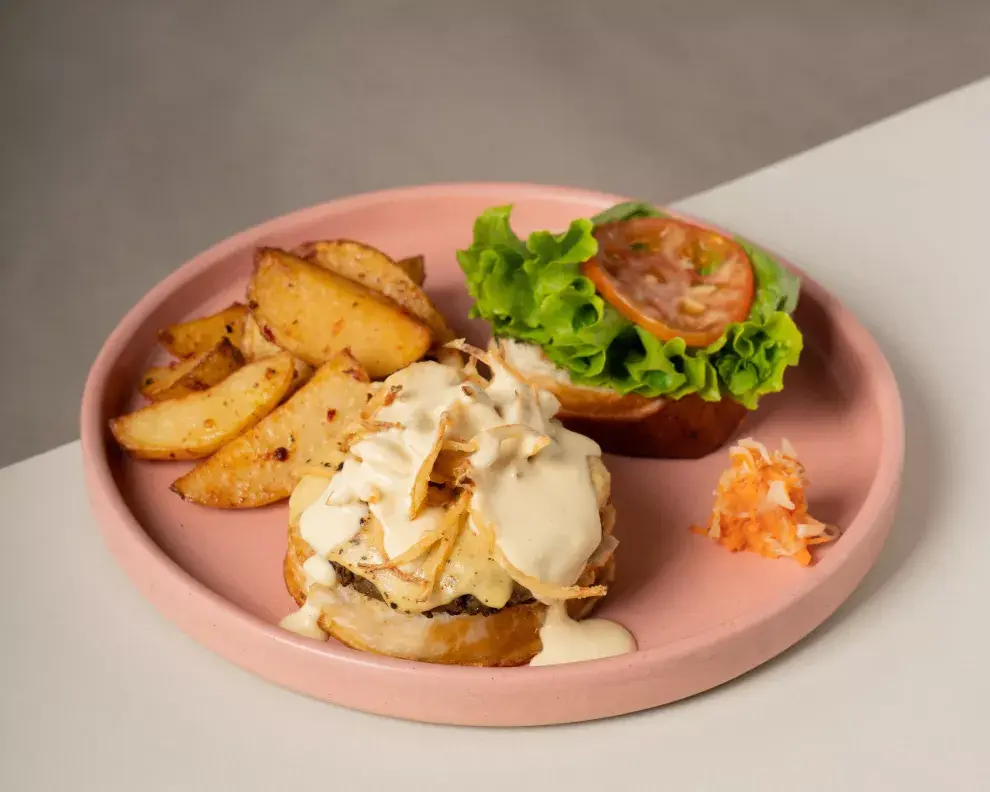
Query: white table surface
[893,693]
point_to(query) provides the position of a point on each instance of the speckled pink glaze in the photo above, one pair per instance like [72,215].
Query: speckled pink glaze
[701,615]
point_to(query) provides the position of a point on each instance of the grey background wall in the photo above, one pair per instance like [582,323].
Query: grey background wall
[134,134]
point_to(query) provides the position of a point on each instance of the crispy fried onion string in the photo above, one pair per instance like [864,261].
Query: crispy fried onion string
[421,484]
[447,527]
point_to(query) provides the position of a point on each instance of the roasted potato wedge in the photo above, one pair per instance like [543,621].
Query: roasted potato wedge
[415,268]
[196,425]
[315,314]
[210,368]
[263,465]
[372,268]
[188,339]
[255,346]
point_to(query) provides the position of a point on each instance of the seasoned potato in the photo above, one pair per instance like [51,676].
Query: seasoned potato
[415,268]
[213,366]
[263,465]
[315,314]
[196,425]
[188,339]
[372,268]
[255,346]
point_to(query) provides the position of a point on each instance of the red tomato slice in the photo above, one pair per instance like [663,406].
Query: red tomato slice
[672,278]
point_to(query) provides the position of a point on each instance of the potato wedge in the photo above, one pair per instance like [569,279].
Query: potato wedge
[196,425]
[188,339]
[415,268]
[196,374]
[255,346]
[315,314]
[372,268]
[263,465]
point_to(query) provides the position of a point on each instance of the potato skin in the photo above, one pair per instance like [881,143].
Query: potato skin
[689,428]
[414,267]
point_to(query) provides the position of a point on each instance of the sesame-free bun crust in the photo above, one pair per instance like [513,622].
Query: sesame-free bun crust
[688,428]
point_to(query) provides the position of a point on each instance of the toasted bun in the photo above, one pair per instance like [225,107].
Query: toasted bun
[527,362]
[509,637]
[688,428]
[633,425]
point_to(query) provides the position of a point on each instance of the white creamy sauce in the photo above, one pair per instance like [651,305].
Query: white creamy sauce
[380,475]
[568,641]
[325,526]
[542,509]
[392,459]
[530,361]
[469,570]
[306,620]
[319,570]
[532,488]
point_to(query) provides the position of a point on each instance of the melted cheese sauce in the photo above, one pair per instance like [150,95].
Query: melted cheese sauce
[319,570]
[470,570]
[532,491]
[530,361]
[568,641]
[542,508]
[379,476]
[306,620]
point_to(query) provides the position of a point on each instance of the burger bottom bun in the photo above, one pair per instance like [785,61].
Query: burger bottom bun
[509,637]
[688,428]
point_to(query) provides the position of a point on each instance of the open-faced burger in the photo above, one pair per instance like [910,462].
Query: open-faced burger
[656,334]
[466,526]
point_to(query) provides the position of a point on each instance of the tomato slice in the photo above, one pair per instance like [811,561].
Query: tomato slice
[672,278]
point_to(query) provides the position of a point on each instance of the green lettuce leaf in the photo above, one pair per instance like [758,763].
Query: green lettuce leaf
[626,211]
[534,291]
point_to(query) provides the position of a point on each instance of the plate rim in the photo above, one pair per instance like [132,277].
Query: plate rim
[862,538]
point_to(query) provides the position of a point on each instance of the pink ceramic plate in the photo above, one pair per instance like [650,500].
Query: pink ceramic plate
[700,614]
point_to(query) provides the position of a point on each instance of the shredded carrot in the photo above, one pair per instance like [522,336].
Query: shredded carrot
[760,505]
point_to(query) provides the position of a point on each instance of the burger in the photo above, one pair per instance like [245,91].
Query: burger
[461,516]
[656,334]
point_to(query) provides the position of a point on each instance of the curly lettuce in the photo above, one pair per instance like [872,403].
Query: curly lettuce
[534,291]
